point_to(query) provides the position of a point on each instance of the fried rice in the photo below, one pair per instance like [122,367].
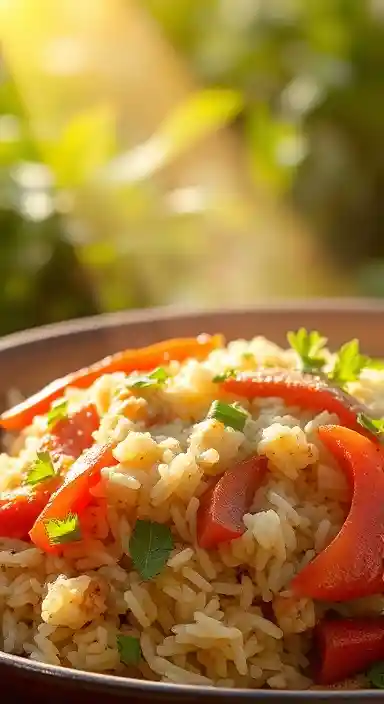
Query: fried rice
[221,617]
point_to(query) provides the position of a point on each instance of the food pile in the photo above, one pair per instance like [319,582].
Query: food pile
[198,513]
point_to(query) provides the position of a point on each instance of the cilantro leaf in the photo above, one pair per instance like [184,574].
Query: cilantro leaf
[374,425]
[129,649]
[41,469]
[58,412]
[150,546]
[348,364]
[228,374]
[309,347]
[156,378]
[375,675]
[66,530]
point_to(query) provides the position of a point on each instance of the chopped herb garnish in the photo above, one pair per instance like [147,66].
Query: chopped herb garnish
[374,425]
[374,364]
[248,356]
[41,469]
[156,378]
[348,364]
[228,374]
[150,546]
[232,415]
[309,347]
[376,675]
[129,649]
[66,530]
[58,412]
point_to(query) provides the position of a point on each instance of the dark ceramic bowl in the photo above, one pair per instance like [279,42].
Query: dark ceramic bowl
[30,359]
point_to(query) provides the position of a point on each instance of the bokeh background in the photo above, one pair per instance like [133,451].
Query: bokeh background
[190,152]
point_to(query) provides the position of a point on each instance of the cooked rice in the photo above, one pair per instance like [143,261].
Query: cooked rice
[223,617]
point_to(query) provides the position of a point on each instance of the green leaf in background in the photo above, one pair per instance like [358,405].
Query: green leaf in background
[277,148]
[202,114]
[85,145]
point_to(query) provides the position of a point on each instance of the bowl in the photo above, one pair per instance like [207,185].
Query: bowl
[30,359]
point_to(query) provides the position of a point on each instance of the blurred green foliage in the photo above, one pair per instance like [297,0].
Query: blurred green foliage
[301,84]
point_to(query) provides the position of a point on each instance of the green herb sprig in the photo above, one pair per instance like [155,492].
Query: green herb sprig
[129,649]
[41,469]
[59,411]
[150,545]
[157,378]
[309,346]
[231,415]
[65,530]
[376,675]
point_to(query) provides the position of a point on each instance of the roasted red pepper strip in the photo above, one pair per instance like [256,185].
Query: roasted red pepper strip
[74,494]
[222,507]
[74,434]
[352,565]
[20,508]
[127,361]
[345,647]
[305,391]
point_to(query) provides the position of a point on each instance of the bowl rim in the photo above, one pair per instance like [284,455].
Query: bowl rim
[130,685]
[332,306]
[115,683]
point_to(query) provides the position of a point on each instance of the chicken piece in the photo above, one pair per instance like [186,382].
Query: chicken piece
[75,601]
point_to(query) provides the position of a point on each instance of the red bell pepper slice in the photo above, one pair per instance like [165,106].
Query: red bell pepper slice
[222,507]
[20,508]
[74,493]
[127,361]
[305,391]
[345,647]
[74,434]
[352,565]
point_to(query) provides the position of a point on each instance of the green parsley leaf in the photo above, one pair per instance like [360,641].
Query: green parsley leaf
[374,425]
[156,378]
[376,675]
[129,649]
[228,374]
[58,412]
[66,530]
[232,416]
[348,364]
[374,364]
[41,469]
[309,346]
[150,546]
